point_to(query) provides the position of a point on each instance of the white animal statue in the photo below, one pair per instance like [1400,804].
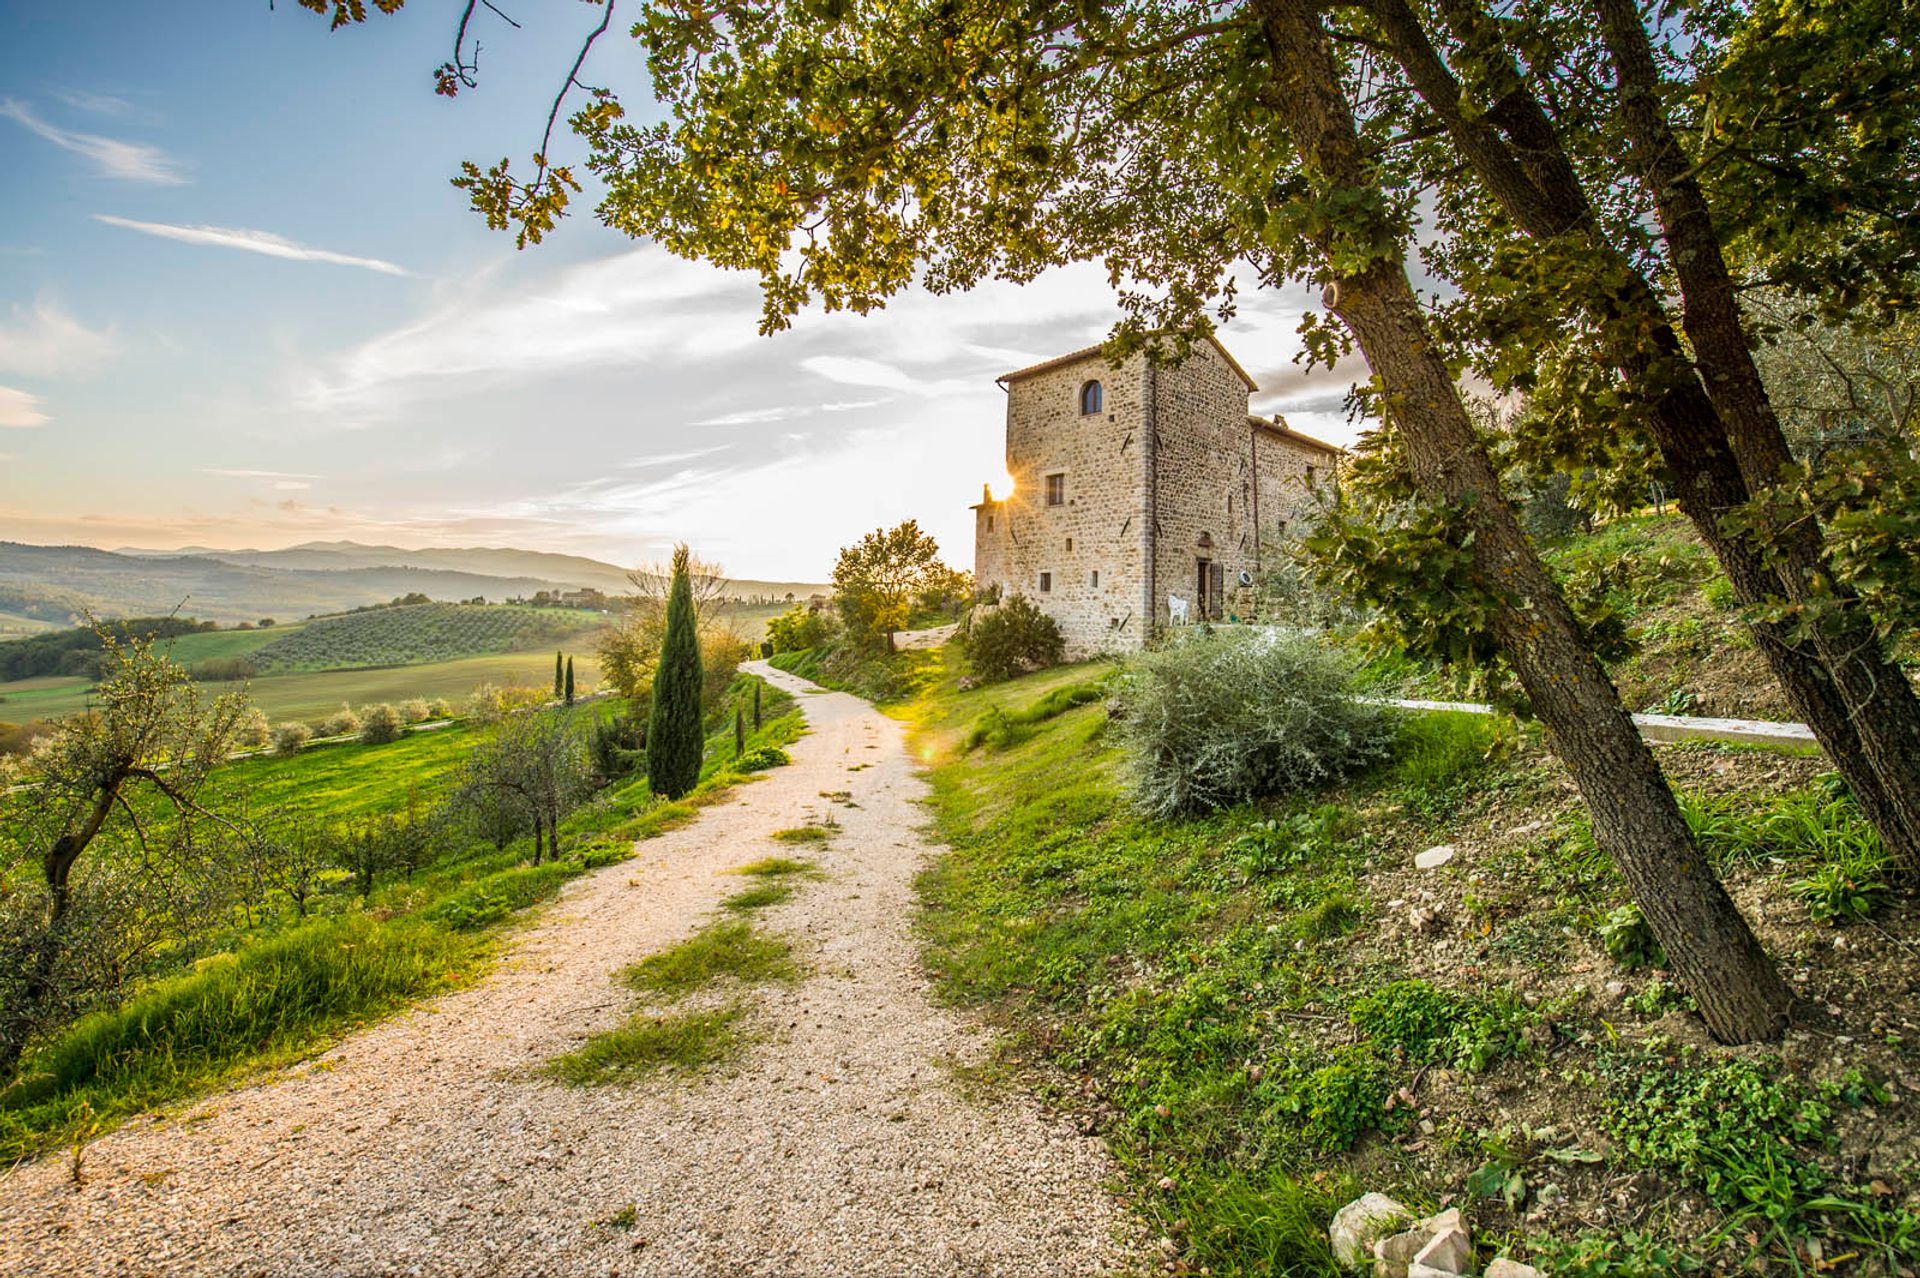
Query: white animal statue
[1177,610]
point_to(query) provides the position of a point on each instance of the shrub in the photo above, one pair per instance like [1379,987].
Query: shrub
[254,731]
[414,710]
[441,708]
[1215,720]
[342,723]
[224,670]
[381,724]
[798,628]
[760,758]
[1012,639]
[291,738]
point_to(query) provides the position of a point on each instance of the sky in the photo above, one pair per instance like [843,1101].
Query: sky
[241,306]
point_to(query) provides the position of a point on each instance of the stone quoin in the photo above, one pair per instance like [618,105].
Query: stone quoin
[1142,496]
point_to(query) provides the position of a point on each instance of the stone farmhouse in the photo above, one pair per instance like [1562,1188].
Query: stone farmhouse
[1143,496]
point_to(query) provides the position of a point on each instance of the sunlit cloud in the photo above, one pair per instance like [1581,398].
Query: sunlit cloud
[250,241]
[787,412]
[19,409]
[639,309]
[46,341]
[855,371]
[668,459]
[110,157]
[234,473]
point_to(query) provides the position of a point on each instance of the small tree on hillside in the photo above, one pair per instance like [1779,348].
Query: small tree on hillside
[556,675]
[526,775]
[567,692]
[70,942]
[877,579]
[674,734]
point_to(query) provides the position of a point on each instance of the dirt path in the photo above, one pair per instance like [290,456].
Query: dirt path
[840,1144]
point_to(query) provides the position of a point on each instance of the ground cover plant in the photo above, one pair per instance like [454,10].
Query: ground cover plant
[1267,1008]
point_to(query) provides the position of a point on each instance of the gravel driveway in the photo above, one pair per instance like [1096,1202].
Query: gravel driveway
[840,1144]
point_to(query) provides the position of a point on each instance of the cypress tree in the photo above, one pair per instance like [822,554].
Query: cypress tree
[756,705]
[569,692]
[556,674]
[739,732]
[674,738]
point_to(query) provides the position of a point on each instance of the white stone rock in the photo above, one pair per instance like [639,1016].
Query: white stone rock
[1448,1251]
[1361,1223]
[1434,858]
[1504,1268]
[1418,1270]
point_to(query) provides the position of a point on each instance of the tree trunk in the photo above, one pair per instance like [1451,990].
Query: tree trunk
[1635,818]
[1540,190]
[1884,710]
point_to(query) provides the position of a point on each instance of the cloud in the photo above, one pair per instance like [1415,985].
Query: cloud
[47,341]
[19,409]
[855,371]
[233,473]
[637,309]
[250,241]
[787,412]
[668,459]
[126,161]
[93,103]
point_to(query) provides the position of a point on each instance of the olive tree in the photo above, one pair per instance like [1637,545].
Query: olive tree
[123,851]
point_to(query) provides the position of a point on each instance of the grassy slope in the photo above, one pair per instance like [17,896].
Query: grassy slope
[275,993]
[1237,1006]
[313,696]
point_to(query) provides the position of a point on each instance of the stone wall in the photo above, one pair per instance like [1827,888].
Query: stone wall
[1096,529]
[1219,485]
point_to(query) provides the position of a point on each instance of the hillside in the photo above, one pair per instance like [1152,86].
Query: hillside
[57,583]
[557,570]
[417,635]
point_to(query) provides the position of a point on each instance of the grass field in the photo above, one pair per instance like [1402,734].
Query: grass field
[319,693]
[211,645]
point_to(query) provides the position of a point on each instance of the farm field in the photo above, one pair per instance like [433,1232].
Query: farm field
[315,694]
[420,634]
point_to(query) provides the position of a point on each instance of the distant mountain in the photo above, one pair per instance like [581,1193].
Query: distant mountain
[571,571]
[56,584]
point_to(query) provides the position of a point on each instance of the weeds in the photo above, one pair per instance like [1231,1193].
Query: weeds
[687,1042]
[730,949]
[802,834]
[1628,937]
[758,897]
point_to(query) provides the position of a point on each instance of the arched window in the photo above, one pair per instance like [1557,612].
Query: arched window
[1089,398]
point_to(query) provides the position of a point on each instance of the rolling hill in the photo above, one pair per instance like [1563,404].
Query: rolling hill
[417,635]
[58,583]
[556,570]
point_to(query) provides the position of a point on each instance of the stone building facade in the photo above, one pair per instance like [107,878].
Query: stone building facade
[1140,494]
